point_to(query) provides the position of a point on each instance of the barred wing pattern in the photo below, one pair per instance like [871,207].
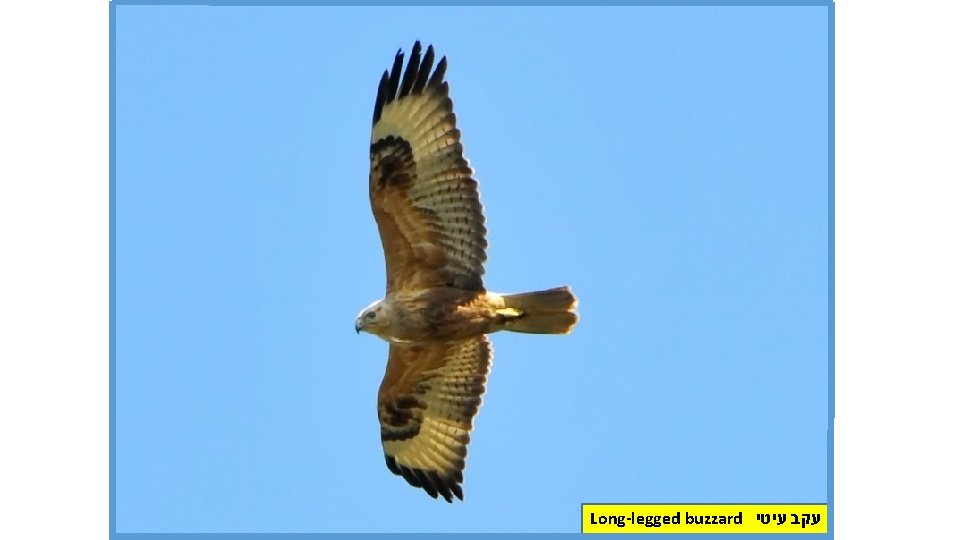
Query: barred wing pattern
[428,399]
[422,190]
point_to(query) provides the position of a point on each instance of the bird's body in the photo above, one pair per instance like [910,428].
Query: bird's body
[437,313]
[451,314]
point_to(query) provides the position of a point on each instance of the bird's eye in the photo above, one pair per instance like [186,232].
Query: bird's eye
[370,315]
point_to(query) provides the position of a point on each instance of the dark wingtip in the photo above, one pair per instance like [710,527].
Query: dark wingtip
[430,481]
[425,67]
[413,71]
[381,96]
[437,77]
[397,82]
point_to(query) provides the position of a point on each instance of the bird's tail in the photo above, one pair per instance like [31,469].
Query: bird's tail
[540,312]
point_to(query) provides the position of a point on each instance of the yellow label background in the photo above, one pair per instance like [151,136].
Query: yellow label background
[751,524]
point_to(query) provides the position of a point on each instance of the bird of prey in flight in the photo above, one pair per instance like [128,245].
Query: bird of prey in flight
[437,312]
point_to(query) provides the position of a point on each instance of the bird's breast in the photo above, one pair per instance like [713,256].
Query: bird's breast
[439,314]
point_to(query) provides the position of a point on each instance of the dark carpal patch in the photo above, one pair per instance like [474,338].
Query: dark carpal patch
[391,162]
[401,418]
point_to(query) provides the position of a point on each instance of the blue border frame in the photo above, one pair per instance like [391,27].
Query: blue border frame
[831,348]
[544,3]
[113,269]
[831,252]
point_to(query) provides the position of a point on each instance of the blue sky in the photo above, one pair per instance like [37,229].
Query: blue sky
[670,164]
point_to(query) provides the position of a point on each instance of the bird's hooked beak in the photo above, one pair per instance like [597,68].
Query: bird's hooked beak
[358,325]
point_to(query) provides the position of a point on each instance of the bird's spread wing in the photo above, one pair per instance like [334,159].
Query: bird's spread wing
[426,405]
[422,192]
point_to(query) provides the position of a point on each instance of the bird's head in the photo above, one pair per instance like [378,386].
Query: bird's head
[372,318]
